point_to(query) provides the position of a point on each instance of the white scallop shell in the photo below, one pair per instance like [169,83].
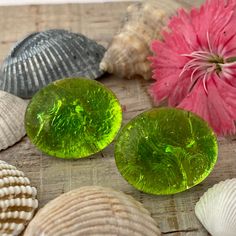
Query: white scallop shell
[216,209]
[12,112]
[93,211]
[17,200]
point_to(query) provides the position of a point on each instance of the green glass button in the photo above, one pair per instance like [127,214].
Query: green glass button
[73,118]
[166,151]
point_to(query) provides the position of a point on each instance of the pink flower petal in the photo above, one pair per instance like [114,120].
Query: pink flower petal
[213,107]
[195,66]
[162,88]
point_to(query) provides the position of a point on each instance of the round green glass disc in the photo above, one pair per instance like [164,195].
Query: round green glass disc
[73,118]
[166,151]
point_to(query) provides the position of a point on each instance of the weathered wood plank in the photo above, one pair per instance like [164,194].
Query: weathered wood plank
[51,176]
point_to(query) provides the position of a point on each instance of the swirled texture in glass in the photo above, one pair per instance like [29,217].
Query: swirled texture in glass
[166,151]
[73,118]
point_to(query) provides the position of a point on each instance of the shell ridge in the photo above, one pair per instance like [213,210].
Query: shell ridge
[14,85]
[20,190]
[48,65]
[65,53]
[44,71]
[9,172]
[17,200]
[39,72]
[21,79]
[8,86]
[216,209]
[90,73]
[88,227]
[60,62]
[24,78]
[55,60]
[13,180]
[6,118]
[28,76]
[76,45]
[70,212]
[229,214]
[32,74]
[17,47]
[50,58]
[78,208]
[101,221]
[4,138]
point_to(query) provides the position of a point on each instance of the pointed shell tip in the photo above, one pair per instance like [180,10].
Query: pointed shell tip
[103,66]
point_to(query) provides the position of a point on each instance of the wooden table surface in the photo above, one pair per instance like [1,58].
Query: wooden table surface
[52,177]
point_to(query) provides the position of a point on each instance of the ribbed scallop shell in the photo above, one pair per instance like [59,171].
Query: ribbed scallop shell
[93,211]
[12,112]
[17,200]
[129,49]
[47,56]
[216,209]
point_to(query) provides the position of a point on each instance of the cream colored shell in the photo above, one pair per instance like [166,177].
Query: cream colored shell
[17,200]
[12,112]
[93,211]
[216,209]
[129,49]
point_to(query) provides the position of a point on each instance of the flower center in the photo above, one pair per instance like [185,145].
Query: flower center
[202,64]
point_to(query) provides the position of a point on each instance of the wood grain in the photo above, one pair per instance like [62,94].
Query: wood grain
[52,177]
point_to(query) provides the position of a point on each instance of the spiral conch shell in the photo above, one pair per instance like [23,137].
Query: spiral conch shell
[216,209]
[17,200]
[12,112]
[93,211]
[129,49]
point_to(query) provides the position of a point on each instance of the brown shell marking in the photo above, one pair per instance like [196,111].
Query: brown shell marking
[93,211]
[129,49]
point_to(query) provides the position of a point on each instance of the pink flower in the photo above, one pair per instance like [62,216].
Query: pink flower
[195,65]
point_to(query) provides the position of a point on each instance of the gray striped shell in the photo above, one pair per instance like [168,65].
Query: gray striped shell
[90,211]
[47,56]
[17,200]
[12,112]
